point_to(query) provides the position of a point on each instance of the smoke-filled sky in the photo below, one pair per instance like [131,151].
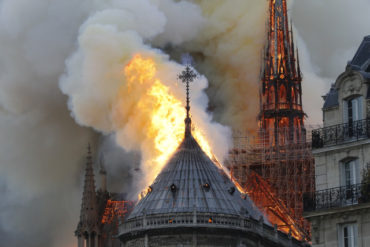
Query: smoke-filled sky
[59,72]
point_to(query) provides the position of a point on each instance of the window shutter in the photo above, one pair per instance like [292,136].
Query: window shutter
[340,235]
[360,108]
[358,171]
[355,234]
[342,170]
[345,111]
[353,167]
[355,109]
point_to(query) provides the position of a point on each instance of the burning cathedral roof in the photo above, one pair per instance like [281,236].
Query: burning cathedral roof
[192,182]
[193,201]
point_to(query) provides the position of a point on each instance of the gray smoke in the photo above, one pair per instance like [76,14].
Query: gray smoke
[330,33]
[42,148]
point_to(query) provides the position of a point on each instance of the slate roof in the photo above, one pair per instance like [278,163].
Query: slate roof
[361,63]
[361,60]
[191,181]
[331,99]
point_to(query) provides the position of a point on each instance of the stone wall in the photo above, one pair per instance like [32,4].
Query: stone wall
[328,162]
[200,240]
[326,227]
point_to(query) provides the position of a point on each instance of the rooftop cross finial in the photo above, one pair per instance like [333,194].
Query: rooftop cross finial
[187,75]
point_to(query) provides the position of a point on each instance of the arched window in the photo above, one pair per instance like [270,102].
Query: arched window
[282,94]
[271,99]
[283,130]
[293,95]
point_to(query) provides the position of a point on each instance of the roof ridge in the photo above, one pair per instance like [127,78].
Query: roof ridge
[191,181]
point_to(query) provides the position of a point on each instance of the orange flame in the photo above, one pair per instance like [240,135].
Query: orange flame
[115,210]
[272,207]
[164,114]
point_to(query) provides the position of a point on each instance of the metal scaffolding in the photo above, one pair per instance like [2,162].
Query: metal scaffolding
[273,175]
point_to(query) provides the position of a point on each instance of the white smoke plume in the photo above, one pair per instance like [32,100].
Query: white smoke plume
[42,148]
[96,85]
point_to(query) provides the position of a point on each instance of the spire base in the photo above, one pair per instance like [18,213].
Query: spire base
[187,126]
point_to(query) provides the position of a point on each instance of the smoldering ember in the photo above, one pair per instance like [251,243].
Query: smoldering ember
[185,123]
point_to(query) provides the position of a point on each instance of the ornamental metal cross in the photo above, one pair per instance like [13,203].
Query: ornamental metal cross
[187,75]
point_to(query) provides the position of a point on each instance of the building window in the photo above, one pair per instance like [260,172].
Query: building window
[348,235]
[350,177]
[349,170]
[352,110]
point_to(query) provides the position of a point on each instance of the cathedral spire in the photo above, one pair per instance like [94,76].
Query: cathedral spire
[88,226]
[279,47]
[281,94]
[187,75]
[299,73]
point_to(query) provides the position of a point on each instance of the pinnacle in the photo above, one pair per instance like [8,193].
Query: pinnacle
[88,213]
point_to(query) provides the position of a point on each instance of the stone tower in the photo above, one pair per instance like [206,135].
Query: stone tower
[88,228]
[281,115]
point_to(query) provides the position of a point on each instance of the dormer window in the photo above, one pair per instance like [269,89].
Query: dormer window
[173,188]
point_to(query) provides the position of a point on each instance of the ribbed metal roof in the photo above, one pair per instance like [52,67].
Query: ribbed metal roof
[190,182]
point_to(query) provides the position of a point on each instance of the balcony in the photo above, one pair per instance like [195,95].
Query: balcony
[337,197]
[341,133]
[204,220]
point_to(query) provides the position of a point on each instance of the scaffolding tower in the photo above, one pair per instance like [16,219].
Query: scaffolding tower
[284,174]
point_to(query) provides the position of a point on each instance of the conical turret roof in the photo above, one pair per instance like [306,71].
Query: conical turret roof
[190,182]
[192,201]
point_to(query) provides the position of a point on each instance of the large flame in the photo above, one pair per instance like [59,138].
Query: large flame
[163,114]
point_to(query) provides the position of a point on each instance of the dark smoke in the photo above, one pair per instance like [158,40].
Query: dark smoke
[42,149]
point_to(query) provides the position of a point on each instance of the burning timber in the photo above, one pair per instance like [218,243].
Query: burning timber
[192,202]
[101,211]
[279,154]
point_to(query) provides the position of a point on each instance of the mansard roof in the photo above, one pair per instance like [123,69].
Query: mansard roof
[192,182]
[361,60]
[331,98]
[359,63]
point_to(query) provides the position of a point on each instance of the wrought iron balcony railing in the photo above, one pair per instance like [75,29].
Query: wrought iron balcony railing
[337,197]
[341,133]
